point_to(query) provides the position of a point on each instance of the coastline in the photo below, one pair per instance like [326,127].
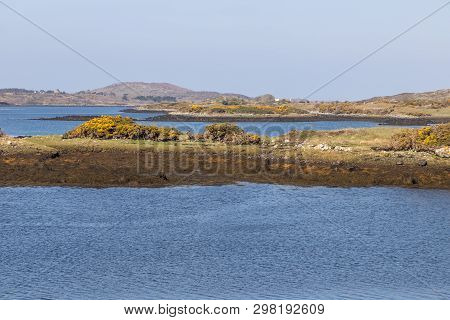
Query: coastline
[383,120]
[170,117]
[52,161]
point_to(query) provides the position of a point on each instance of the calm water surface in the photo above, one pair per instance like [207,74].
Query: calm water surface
[245,241]
[16,120]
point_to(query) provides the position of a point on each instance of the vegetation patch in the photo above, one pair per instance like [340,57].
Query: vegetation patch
[118,127]
[243,109]
[349,108]
[156,98]
[229,133]
[423,139]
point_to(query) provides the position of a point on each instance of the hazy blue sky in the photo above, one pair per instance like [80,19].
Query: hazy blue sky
[285,47]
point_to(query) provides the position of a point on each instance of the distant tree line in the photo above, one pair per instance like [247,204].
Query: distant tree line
[15,90]
[25,91]
[157,98]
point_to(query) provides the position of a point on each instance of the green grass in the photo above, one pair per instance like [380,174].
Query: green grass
[370,137]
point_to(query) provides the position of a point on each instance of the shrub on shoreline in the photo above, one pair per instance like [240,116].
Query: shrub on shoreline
[118,127]
[244,109]
[348,109]
[229,133]
[423,139]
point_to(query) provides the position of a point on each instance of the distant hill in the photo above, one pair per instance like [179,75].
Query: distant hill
[438,95]
[135,90]
[140,93]
[127,93]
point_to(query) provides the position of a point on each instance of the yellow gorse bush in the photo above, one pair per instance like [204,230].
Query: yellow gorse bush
[118,127]
[425,138]
[195,108]
[229,133]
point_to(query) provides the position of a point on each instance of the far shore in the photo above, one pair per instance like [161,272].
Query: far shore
[382,120]
[168,116]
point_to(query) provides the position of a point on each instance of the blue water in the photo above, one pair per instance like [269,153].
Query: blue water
[224,242]
[16,120]
[271,129]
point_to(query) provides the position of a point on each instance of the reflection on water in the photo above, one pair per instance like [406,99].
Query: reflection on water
[224,242]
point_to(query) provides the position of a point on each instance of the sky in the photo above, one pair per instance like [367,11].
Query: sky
[286,47]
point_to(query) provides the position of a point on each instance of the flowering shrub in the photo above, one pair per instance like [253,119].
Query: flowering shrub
[222,131]
[240,109]
[195,108]
[117,127]
[422,139]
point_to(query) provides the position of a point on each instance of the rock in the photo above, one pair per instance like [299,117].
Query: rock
[443,152]
[345,149]
[322,147]
[399,163]
[422,163]
[163,176]
[54,155]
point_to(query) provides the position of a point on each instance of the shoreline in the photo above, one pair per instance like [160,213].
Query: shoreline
[52,161]
[170,117]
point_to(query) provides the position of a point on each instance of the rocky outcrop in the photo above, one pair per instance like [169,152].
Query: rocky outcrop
[443,152]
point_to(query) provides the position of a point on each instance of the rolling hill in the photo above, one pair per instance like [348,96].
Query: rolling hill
[143,89]
[438,95]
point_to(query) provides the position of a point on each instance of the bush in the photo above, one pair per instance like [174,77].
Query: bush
[168,134]
[248,138]
[1,133]
[423,139]
[195,108]
[117,127]
[242,109]
[222,131]
[347,108]
[296,136]
[229,133]
[417,114]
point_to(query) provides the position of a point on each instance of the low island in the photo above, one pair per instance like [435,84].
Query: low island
[115,151]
